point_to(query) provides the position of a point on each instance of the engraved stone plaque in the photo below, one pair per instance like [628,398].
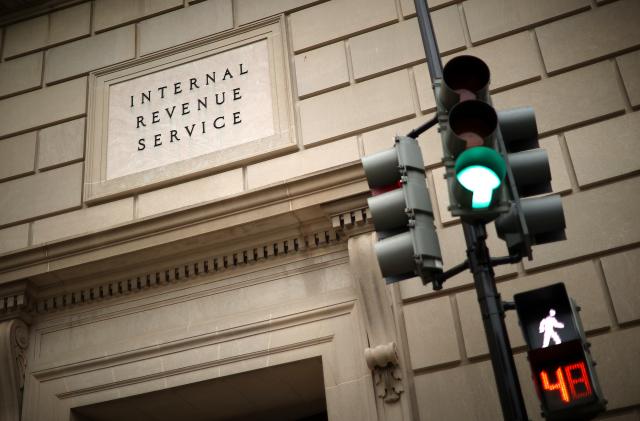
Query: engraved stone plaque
[190,111]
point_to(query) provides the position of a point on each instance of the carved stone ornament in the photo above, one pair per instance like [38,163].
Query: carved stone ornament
[14,340]
[383,361]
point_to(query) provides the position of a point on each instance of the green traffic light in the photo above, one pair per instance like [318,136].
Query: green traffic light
[481,181]
[480,170]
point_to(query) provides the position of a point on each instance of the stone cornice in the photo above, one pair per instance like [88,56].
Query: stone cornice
[182,246]
[16,300]
[297,204]
[184,271]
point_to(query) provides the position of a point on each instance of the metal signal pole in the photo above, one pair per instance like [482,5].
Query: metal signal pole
[480,264]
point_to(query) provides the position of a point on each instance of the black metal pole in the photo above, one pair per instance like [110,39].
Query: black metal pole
[492,310]
[431,51]
[511,401]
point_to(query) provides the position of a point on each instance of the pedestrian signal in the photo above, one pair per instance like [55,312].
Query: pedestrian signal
[558,352]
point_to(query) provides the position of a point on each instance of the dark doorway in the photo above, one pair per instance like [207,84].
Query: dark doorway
[293,391]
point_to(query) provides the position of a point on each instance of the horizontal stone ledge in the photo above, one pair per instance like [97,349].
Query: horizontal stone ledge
[277,200]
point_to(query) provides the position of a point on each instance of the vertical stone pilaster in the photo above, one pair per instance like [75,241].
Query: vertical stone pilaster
[390,370]
[14,340]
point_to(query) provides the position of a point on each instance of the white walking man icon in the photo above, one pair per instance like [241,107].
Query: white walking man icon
[547,326]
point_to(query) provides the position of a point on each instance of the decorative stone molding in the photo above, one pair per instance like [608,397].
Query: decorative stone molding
[377,305]
[391,370]
[14,340]
[383,361]
[353,222]
[189,270]
[297,202]
[16,300]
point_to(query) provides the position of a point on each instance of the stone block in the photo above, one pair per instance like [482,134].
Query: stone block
[248,11]
[560,182]
[467,392]
[338,19]
[631,415]
[20,74]
[512,60]
[629,65]
[44,106]
[447,25]
[25,36]
[390,47]
[425,91]
[88,54]
[182,195]
[581,280]
[605,150]
[598,220]
[442,196]
[41,194]
[185,25]
[380,139]
[357,107]
[618,369]
[568,99]
[352,400]
[14,238]
[109,13]
[621,273]
[37,33]
[70,23]
[492,18]
[61,144]
[83,221]
[589,36]
[321,69]
[302,163]
[431,332]
[395,46]
[17,155]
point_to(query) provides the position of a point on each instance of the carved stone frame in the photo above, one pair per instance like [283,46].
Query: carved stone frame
[98,188]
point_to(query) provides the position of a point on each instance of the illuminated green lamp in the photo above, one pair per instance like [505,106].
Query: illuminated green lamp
[479,171]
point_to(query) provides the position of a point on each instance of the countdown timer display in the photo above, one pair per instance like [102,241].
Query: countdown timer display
[561,364]
[571,384]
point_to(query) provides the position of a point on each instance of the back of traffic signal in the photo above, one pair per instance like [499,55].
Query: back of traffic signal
[402,214]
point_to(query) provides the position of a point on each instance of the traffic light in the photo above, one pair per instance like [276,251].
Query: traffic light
[474,168]
[402,213]
[561,364]
[530,221]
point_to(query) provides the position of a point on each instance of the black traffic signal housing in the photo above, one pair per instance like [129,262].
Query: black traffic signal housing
[474,167]
[531,220]
[402,213]
[559,354]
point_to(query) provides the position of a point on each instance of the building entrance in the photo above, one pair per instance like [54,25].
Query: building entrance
[293,391]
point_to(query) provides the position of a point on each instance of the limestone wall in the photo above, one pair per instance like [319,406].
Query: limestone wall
[357,77]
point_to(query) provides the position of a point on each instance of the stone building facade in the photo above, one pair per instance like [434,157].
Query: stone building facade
[238,281]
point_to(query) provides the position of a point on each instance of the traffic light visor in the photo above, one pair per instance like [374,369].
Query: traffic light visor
[465,77]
